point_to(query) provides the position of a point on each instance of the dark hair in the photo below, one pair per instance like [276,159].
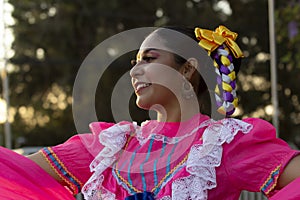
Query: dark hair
[197,80]
[191,33]
[200,85]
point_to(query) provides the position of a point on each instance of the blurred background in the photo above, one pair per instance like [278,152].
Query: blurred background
[44,42]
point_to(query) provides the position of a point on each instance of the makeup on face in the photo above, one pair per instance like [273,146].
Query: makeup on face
[143,57]
[146,56]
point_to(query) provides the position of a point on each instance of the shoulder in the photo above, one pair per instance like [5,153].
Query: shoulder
[260,125]
[259,147]
[255,130]
[254,160]
[260,136]
[97,127]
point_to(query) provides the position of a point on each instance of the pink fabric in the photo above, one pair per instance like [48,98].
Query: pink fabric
[91,142]
[290,192]
[22,179]
[75,158]
[250,162]
[77,153]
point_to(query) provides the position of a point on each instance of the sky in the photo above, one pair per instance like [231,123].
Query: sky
[6,35]
[6,39]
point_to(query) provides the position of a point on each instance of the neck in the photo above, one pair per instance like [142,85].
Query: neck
[181,112]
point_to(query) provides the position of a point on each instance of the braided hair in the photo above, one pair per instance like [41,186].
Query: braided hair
[226,57]
[225,91]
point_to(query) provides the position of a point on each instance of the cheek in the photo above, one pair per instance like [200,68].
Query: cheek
[167,77]
[165,96]
[157,94]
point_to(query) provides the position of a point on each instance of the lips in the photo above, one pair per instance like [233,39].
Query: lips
[140,86]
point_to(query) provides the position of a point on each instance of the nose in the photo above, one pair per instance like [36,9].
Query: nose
[136,70]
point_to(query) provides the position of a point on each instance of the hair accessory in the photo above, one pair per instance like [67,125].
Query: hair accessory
[211,40]
[220,44]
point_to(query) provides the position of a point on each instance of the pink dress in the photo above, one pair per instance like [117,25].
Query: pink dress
[198,159]
[22,179]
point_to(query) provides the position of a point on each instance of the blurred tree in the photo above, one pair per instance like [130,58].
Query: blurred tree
[52,38]
[288,53]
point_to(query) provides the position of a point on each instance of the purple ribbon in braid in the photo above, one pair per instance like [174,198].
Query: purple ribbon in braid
[221,47]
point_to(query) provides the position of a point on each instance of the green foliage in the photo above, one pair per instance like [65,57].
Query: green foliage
[288,54]
[52,38]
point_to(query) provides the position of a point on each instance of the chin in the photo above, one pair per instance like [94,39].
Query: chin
[143,105]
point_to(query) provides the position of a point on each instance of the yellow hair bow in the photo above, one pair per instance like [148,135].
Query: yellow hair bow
[210,40]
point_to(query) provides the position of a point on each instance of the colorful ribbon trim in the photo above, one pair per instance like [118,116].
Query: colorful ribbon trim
[61,170]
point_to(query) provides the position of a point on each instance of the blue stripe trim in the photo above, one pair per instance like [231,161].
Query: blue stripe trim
[154,173]
[128,169]
[155,165]
[168,179]
[61,169]
[120,182]
[163,149]
[142,165]
[274,174]
[170,155]
[123,165]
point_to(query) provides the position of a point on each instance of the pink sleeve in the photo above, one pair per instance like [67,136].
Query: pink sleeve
[71,159]
[21,178]
[254,161]
[289,192]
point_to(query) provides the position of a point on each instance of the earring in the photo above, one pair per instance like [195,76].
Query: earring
[187,89]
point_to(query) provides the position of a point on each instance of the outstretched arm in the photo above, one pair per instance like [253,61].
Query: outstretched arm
[40,160]
[290,173]
[21,178]
[67,163]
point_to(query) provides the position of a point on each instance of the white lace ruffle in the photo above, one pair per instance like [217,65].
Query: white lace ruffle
[113,139]
[169,140]
[187,188]
[201,163]
[96,191]
[204,158]
[165,198]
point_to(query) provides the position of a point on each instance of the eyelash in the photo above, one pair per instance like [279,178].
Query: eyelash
[144,58]
[147,58]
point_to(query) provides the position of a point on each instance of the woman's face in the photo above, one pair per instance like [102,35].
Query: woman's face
[155,76]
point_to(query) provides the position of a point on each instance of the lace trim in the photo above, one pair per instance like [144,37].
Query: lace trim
[204,158]
[189,187]
[201,162]
[165,198]
[113,139]
[169,140]
[93,190]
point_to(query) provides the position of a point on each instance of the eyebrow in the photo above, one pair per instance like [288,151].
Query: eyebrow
[150,49]
[146,51]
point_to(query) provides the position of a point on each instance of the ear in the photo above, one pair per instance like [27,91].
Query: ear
[188,68]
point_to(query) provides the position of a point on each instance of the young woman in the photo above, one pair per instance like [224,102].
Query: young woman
[184,154]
